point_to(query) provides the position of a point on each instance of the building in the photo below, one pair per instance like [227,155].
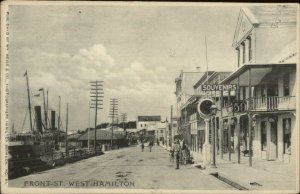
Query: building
[184,91]
[265,44]
[143,122]
[258,118]
[103,138]
[193,126]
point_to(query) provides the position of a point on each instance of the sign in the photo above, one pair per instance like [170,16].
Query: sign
[218,87]
[239,106]
[204,108]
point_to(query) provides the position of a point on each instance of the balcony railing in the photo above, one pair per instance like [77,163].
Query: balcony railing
[263,104]
[273,103]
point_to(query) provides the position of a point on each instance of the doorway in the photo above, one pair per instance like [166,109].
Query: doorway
[273,149]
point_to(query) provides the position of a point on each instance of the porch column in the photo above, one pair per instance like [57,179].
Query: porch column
[238,129]
[221,125]
[250,117]
[206,146]
[229,138]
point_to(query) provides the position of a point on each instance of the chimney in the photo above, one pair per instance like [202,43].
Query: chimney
[38,118]
[53,119]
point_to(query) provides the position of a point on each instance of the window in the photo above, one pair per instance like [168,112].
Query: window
[244,52]
[238,56]
[249,48]
[287,135]
[174,125]
[141,125]
[286,85]
[263,136]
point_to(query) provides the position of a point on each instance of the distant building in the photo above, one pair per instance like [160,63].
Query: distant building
[143,122]
[103,138]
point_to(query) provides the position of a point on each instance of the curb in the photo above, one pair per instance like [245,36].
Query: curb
[214,172]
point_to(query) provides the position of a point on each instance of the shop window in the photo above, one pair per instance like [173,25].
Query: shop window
[287,135]
[263,136]
[286,85]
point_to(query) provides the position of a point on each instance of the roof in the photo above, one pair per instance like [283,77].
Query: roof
[271,13]
[101,135]
[288,54]
[202,79]
[149,118]
[268,16]
[74,136]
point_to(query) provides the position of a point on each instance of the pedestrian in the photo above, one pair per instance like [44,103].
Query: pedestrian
[150,145]
[176,150]
[143,146]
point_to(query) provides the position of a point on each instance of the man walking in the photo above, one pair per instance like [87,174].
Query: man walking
[143,146]
[176,150]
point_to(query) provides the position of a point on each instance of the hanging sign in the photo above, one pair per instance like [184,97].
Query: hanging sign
[218,87]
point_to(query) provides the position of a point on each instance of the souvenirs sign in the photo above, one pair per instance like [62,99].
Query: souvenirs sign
[218,87]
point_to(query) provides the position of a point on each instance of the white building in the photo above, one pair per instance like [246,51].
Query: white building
[265,44]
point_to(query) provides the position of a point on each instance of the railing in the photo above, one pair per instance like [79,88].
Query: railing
[273,103]
[263,104]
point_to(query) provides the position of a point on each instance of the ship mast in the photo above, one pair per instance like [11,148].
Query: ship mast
[29,105]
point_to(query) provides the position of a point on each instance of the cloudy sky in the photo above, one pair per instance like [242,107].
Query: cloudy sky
[136,50]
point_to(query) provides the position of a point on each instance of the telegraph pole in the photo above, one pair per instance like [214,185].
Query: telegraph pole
[67,122]
[89,130]
[113,113]
[123,119]
[171,127]
[97,101]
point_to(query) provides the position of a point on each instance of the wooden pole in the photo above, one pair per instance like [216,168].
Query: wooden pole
[250,118]
[67,122]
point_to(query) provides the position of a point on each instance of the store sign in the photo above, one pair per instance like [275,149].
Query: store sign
[218,87]
[239,106]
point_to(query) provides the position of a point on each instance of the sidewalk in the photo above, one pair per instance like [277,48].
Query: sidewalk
[263,175]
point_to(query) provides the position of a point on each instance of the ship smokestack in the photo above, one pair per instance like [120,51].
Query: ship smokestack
[53,119]
[38,118]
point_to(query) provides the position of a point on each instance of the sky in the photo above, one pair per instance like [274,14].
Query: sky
[137,51]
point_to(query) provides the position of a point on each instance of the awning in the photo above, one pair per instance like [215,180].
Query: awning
[258,72]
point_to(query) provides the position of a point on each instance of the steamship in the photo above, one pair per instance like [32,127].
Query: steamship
[40,148]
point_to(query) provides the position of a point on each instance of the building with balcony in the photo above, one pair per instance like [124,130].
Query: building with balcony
[193,127]
[265,100]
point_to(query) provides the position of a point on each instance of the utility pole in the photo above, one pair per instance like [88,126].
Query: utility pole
[97,101]
[67,120]
[89,129]
[123,119]
[171,127]
[47,110]
[113,113]
[29,104]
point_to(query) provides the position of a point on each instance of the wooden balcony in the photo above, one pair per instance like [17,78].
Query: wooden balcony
[273,103]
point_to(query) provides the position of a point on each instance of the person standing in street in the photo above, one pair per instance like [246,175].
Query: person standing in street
[176,150]
[143,146]
[150,145]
